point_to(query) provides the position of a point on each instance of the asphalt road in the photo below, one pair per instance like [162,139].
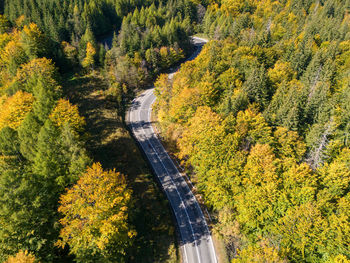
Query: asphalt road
[196,242]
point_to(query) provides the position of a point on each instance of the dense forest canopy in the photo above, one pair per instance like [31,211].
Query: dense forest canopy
[68,20]
[40,145]
[65,19]
[262,117]
[44,165]
[260,121]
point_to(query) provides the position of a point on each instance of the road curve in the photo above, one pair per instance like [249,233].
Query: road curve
[196,242]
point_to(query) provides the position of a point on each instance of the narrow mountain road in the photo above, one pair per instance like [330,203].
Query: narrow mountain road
[196,242]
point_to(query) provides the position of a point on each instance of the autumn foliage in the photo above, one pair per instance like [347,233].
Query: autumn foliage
[22,257]
[95,215]
[88,61]
[67,114]
[39,157]
[15,108]
[261,122]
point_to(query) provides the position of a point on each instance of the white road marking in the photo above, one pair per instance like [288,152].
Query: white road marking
[185,253]
[177,191]
[178,173]
[197,252]
[206,226]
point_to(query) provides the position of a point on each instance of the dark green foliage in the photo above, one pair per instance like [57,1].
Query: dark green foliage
[61,19]
[157,27]
[38,159]
[28,136]
[151,39]
[257,87]
[270,153]
[64,20]
[9,144]
[30,189]
[101,55]
[58,157]
[26,217]
[46,98]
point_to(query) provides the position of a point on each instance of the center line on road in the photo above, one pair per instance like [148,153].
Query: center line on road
[182,202]
[193,197]
[160,152]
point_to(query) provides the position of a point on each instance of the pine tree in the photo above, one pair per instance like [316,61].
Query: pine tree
[28,134]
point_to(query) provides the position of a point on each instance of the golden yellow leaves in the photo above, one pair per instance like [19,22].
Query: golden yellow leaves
[39,66]
[253,126]
[281,72]
[32,30]
[89,58]
[262,252]
[22,257]
[232,7]
[70,51]
[33,41]
[18,47]
[4,24]
[302,228]
[341,259]
[20,21]
[289,145]
[12,56]
[261,166]
[15,108]
[33,70]
[169,56]
[204,126]
[66,113]
[95,212]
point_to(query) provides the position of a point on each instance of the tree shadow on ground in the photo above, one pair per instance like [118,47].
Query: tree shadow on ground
[109,143]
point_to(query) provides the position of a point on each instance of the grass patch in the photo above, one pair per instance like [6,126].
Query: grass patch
[202,35]
[109,143]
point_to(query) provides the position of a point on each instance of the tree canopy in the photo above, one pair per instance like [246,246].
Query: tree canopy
[260,122]
[95,216]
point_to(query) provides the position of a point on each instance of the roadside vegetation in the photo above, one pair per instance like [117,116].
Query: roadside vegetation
[62,134]
[110,143]
[260,120]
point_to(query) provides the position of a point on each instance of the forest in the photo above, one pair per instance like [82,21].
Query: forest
[260,121]
[57,202]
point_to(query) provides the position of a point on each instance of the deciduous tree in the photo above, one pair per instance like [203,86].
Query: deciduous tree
[95,216]
[22,257]
[65,113]
[15,109]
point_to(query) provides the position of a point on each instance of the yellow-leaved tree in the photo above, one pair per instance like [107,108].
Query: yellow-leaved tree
[95,216]
[66,113]
[303,232]
[262,252]
[33,41]
[22,257]
[15,108]
[89,58]
[33,70]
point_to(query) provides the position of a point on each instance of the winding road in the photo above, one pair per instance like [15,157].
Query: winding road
[196,242]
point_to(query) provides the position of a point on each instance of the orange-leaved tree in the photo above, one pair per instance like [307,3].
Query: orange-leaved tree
[95,216]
